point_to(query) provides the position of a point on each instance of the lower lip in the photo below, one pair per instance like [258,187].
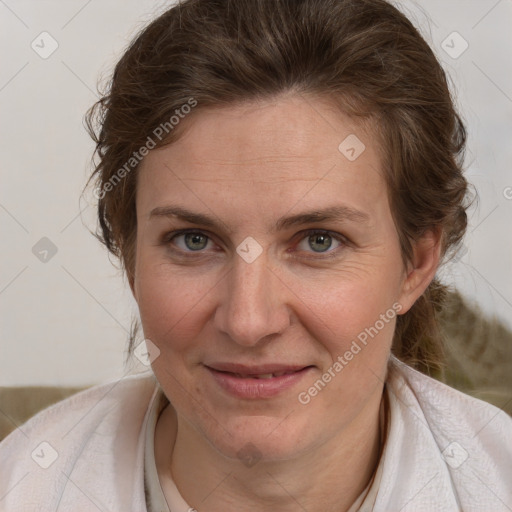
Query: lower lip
[248,388]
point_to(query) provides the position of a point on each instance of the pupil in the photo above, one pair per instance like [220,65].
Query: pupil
[321,242]
[195,238]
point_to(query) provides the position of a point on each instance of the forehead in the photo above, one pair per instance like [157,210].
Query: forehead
[267,150]
[301,126]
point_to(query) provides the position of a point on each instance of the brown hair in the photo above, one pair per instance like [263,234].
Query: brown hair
[363,54]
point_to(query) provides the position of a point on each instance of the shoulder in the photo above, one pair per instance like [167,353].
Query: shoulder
[82,439]
[447,408]
[458,443]
[87,409]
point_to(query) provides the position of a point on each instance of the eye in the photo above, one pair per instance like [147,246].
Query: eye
[320,242]
[316,241]
[189,241]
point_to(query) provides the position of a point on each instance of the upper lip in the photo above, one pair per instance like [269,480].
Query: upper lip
[259,369]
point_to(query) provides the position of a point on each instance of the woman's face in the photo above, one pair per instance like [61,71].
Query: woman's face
[263,247]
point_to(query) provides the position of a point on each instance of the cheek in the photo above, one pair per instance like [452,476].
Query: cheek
[354,342]
[346,305]
[171,305]
[352,321]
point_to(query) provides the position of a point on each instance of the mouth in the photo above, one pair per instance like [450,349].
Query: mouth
[261,375]
[256,382]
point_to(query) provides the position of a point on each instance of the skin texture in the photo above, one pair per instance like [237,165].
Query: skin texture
[247,166]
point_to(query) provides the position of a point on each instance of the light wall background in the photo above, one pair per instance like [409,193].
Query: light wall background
[65,321]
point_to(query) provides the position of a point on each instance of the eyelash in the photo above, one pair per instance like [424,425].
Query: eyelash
[169,237]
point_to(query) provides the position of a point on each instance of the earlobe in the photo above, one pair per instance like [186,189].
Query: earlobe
[422,268]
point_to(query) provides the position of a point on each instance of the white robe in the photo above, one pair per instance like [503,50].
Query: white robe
[445,451]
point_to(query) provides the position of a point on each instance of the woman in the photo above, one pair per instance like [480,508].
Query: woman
[281,181]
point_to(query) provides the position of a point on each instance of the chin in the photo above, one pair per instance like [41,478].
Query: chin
[260,438]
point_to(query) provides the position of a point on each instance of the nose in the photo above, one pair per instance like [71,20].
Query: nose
[253,304]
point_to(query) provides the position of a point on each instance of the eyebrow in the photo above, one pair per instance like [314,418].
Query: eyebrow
[333,213]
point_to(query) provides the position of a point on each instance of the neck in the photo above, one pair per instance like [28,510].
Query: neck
[327,478]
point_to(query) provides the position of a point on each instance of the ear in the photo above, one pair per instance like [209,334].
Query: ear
[422,269]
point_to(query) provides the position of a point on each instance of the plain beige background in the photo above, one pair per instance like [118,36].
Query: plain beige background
[64,321]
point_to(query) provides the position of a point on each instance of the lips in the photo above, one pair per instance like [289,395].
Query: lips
[262,371]
[256,381]
[261,375]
